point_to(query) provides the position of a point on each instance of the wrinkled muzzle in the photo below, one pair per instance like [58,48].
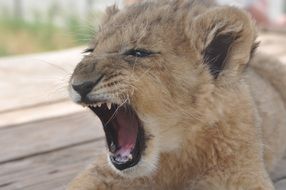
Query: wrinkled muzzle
[122,126]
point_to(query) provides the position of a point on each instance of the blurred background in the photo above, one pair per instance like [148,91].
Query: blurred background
[58,24]
[47,25]
[45,139]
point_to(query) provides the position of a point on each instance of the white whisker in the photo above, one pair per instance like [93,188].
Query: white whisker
[113,115]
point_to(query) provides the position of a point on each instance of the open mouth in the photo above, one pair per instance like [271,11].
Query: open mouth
[124,133]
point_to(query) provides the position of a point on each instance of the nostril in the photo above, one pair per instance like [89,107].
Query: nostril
[84,88]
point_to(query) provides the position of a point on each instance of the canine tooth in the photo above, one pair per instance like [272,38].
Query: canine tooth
[112,147]
[99,104]
[130,157]
[108,105]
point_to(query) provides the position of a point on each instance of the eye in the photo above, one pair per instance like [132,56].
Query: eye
[88,51]
[138,53]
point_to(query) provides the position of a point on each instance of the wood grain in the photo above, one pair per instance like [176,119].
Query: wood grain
[51,171]
[20,141]
[56,150]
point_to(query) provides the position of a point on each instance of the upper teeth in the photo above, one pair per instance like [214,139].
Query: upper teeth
[108,105]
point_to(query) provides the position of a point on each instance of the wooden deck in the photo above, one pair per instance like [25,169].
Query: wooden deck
[46,154]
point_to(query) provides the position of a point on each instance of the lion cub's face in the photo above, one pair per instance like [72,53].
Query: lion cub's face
[145,75]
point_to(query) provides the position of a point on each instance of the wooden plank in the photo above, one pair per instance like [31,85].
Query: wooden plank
[20,141]
[54,170]
[39,112]
[49,171]
[273,44]
[66,152]
[38,78]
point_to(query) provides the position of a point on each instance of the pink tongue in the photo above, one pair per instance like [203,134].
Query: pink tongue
[127,129]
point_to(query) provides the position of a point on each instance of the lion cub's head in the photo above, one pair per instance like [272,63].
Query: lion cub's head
[152,70]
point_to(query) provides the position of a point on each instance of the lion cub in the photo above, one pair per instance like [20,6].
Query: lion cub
[183,104]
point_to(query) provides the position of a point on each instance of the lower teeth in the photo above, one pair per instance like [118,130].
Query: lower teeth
[120,158]
[112,147]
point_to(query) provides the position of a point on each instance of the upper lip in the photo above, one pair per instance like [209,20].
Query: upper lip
[98,104]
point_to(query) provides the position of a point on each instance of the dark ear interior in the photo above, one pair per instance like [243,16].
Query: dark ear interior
[224,42]
[216,53]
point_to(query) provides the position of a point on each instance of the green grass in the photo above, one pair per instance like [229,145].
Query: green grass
[3,51]
[21,37]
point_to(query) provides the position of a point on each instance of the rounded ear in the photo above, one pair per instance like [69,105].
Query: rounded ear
[225,38]
[110,12]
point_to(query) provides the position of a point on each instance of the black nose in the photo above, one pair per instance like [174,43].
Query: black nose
[84,88]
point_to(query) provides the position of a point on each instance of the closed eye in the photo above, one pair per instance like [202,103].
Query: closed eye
[138,53]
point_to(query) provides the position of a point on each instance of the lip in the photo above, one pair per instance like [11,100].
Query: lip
[124,133]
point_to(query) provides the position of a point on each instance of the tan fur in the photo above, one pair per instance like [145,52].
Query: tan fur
[202,133]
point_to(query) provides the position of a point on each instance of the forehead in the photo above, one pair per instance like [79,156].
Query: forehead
[145,23]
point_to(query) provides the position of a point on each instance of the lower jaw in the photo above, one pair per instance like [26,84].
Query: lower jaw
[144,168]
[136,153]
[121,167]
